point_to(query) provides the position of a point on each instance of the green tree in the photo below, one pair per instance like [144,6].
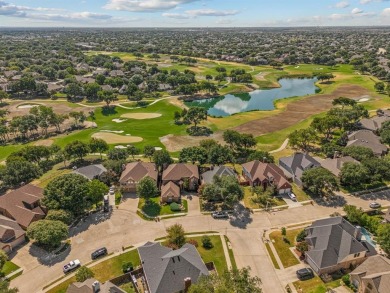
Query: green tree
[3,259]
[149,151]
[132,151]
[108,97]
[359,153]
[194,155]
[302,139]
[77,149]
[3,96]
[261,156]
[195,115]
[97,145]
[84,273]
[91,91]
[4,287]
[60,215]
[117,154]
[147,188]
[206,242]
[47,232]
[176,235]
[162,158]
[18,171]
[384,237]
[379,86]
[79,118]
[353,174]
[319,181]
[68,192]
[96,191]
[233,281]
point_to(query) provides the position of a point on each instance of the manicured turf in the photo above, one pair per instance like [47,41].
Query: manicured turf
[105,270]
[272,256]
[9,267]
[231,255]
[315,285]
[283,249]
[154,209]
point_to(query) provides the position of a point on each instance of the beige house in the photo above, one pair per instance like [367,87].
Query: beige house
[136,171]
[335,165]
[93,286]
[170,192]
[372,276]
[180,173]
[11,234]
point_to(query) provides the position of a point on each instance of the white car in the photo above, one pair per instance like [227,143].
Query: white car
[74,264]
[292,196]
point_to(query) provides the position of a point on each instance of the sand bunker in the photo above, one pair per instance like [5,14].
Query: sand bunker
[27,106]
[364,100]
[119,120]
[141,116]
[113,138]
[44,142]
[112,131]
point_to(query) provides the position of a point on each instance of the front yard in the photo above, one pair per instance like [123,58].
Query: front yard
[251,202]
[9,267]
[105,270]
[315,285]
[282,247]
[154,208]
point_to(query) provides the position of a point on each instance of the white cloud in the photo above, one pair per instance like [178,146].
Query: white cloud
[177,15]
[211,12]
[145,5]
[386,12]
[356,11]
[342,4]
[369,1]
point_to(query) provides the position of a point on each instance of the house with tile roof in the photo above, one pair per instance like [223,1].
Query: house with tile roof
[257,173]
[180,174]
[134,172]
[11,234]
[368,139]
[171,271]
[23,205]
[374,123]
[372,276]
[170,192]
[295,165]
[335,244]
[219,171]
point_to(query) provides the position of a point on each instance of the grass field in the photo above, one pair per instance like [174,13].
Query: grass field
[154,209]
[105,270]
[315,285]
[283,249]
[9,267]
[272,256]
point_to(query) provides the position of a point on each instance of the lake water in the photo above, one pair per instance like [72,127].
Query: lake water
[258,99]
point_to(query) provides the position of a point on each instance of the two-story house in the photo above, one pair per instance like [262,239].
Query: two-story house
[295,165]
[136,171]
[186,176]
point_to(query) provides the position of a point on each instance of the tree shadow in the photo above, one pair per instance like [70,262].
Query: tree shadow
[151,208]
[47,258]
[331,201]
[107,111]
[92,219]
[383,194]
[241,217]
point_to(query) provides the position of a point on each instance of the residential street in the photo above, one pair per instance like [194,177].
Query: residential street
[124,228]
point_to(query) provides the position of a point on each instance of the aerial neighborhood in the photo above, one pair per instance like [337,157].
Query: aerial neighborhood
[193,159]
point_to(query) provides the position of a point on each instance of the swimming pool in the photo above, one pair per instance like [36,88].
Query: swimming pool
[367,236]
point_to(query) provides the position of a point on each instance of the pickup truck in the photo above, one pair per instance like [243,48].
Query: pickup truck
[74,264]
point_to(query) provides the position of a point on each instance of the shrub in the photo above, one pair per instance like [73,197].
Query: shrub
[84,273]
[199,131]
[285,239]
[175,207]
[193,242]
[127,267]
[60,215]
[173,246]
[346,280]
[301,236]
[284,231]
[206,242]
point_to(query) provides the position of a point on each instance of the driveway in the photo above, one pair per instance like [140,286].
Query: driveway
[129,202]
[193,203]
[291,203]
[123,228]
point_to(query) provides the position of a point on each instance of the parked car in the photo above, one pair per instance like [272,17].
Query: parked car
[72,265]
[305,274]
[106,204]
[112,190]
[375,205]
[220,215]
[292,196]
[99,252]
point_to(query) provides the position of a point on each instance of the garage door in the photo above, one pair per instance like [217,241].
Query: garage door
[282,191]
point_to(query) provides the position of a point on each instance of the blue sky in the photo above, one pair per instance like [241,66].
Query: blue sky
[193,13]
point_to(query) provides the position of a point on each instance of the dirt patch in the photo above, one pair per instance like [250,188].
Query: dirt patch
[113,138]
[295,112]
[44,142]
[141,116]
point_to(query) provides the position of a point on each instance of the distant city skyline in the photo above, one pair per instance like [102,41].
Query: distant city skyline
[193,13]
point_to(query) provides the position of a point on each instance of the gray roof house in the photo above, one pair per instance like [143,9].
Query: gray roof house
[294,166]
[207,177]
[368,139]
[170,271]
[335,165]
[374,123]
[91,172]
[93,286]
[373,275]
[335,244]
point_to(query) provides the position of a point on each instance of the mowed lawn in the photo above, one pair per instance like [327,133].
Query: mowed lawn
[287,258]
[154,209]
[315,285]
[149,129]
[105,270]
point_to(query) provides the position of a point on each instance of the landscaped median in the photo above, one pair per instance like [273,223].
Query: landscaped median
[153,209]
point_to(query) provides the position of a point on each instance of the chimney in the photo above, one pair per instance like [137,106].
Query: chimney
[96,287]
[358,233]
[187,284]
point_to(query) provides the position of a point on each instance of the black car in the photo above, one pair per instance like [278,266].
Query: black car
[304,274]
[98,253]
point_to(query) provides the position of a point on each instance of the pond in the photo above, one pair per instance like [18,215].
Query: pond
[258,99]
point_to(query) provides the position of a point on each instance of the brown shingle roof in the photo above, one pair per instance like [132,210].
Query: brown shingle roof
[170,190]
[17,205]
[264,171]
[135,171]
[9,229]
[176,172]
